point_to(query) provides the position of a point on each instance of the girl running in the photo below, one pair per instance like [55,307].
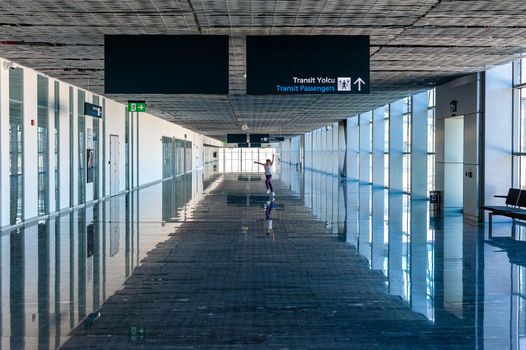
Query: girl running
[268,174]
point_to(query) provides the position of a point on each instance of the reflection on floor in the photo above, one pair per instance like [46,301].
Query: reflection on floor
[441,266]
[212,261]
[56,273]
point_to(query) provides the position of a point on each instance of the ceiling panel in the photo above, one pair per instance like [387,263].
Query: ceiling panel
[414,45]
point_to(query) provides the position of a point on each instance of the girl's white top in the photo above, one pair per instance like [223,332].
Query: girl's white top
[268,169]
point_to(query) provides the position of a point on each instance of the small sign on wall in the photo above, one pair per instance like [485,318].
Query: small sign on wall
[89,155]
[92,110]
[89,165]
[89,138]
[453,105]
[136,106]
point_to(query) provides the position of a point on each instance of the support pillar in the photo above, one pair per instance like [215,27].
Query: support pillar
[419,147]
[378,147]
[365,147]
[396,146]
[353,149]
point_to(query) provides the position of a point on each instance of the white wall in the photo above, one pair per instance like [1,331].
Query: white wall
[342,148]
[323,149]
[291,150]
[498,133]
[466,91]
[30,145]
[378,145]
[335,150]
[209,154]
[353,148]
[4,145]
[396,146]
[115,125]
[365,147]
[485,100]
[453,162]
[151,130]
[419,146]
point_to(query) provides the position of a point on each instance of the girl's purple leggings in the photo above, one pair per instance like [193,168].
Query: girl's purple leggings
[268,182]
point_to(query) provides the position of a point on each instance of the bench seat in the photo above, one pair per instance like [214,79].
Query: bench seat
[498,208]
[505,210]
[514,208]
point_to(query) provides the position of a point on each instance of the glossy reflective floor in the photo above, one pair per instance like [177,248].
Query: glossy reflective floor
[210,261]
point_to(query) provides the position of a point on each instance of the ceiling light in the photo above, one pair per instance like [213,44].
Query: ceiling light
[262,119]
[9,64]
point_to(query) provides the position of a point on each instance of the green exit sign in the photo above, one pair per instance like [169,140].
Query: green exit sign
[136,106]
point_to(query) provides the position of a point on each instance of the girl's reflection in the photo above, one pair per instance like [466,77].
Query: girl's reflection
[268,218]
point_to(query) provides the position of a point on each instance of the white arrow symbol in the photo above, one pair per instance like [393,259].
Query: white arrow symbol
[140,107]
[359,81]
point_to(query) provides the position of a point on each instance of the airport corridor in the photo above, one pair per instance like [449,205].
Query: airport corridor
[244,270]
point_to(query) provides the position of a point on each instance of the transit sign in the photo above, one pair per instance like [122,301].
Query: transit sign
[307,64]
[92,110]
[273,139]
[166,64]
[136,106]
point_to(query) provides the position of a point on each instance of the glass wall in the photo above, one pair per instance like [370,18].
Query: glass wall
[231,160]
[386,146]
[168,157]
[16,145]
[57,151]
[406,120]
[431,140]
[371,149]
[241,160]
[354,146]
[81,98]
[71,116]
[177,156]
[96,152]
[127,148]
[187,156]
[248,157]
[43,142]
[56,143]
[519,125]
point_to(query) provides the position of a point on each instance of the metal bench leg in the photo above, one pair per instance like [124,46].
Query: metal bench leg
[490,224]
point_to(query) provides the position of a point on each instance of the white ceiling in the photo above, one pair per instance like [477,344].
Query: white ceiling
[414,44]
